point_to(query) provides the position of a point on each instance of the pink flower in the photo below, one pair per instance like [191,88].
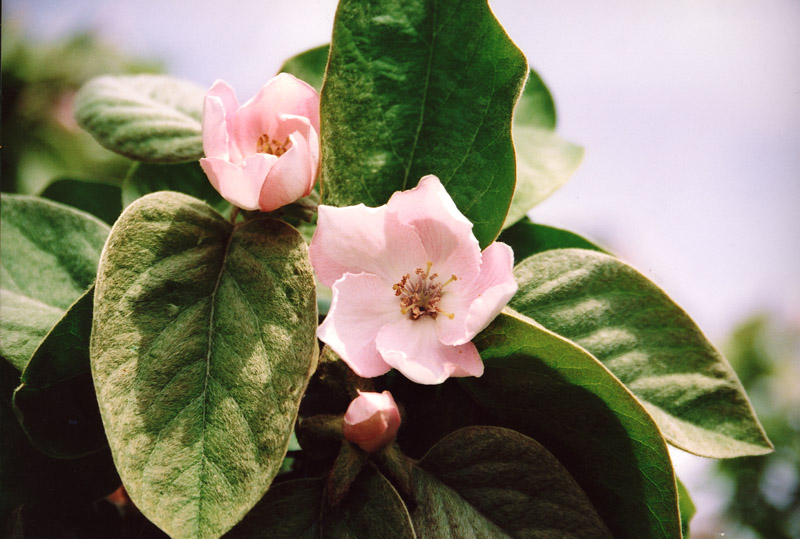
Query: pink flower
[371,421]
[411,287]
[264,154]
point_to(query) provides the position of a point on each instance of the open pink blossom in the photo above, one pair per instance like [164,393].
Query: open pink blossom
[264,154]
[371,420]
[411,287]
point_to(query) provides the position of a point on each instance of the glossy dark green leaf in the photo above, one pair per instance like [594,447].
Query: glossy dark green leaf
[495,482]
[308,66]
[151,118]
[49,255]
[187,178]
[202,345]
[648,342]
[415,88]
[100,199]
[527,239]
[546,387]
[56,403]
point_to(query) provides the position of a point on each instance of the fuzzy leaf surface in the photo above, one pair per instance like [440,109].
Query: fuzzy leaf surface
[202,343]
[496,482]
[546,387]
[49,255]
[648,342]
[151,118]
[415,88]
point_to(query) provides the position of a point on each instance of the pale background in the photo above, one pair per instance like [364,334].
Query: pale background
[689,111]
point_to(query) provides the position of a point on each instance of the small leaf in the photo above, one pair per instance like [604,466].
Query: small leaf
[100,199]
[49,259]
[544,163]
[527,239]
[416,88]
[535,107]
[202,345]
[151,118]
[56,403]
[686,506]
[546,387]
[308,66]
[648,342]
[497,482]
[187,178]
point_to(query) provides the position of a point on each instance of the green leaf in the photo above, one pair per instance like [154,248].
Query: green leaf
[56,403]
[416,88]
[296,509]
[497,482]
[648,342]
[187,178]
[49,256]
[202,345]
[308,66]
[151,118]
[686,506]
[100,199]
[535,107]
[527,239]
[546,387]
[544,163]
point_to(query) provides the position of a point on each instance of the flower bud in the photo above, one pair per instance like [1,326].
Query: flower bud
[371,421]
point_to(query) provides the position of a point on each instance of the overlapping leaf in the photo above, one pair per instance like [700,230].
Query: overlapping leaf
[202,343]
[187,178]
[415,88]
[151,118]
[527,239]
[648,342]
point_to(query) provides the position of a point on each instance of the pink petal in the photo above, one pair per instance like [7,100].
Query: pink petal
[478,303]
[357,239]
[290,177]
[362,304]
[444,231]
[239,185]
[219,118]
[371,420]
[413,348]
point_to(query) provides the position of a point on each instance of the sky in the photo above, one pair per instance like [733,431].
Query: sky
[689,111]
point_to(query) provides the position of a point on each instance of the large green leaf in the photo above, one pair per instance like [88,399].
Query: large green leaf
[546,387]
[648,342]
[56,403]
[151,118]
[421,87]
[527,239]
[309,65]
[202,344]
[187,178]
[100,199]
[49,255]
[494,481]
[297,509]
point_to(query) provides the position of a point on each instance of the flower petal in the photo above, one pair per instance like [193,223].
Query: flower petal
[239,185]
[357,239]
[291,177]
[219,118]
[477,304]
[413,348]
[362,304]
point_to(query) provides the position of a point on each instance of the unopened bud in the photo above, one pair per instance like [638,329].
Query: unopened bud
[371,421]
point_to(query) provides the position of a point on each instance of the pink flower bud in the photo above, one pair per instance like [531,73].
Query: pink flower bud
[372,420]
[264,154]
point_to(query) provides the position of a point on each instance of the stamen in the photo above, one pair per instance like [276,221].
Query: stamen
[271,146]
[421,295]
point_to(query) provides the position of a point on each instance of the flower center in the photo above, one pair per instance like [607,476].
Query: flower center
[420,294]
[271,146]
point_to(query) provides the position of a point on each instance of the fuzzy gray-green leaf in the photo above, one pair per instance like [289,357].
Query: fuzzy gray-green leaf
[648,342]
[202,343]
[151,118]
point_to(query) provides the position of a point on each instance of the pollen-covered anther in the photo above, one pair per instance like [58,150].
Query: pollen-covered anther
[420,295]
[271,146]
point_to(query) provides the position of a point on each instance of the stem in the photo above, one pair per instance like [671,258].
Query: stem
[234,214]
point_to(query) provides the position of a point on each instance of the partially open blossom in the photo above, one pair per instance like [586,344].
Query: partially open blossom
[411,287]
[264,154]
[371,420]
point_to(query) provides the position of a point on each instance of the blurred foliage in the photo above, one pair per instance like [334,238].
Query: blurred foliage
[40,140]
[764,499]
